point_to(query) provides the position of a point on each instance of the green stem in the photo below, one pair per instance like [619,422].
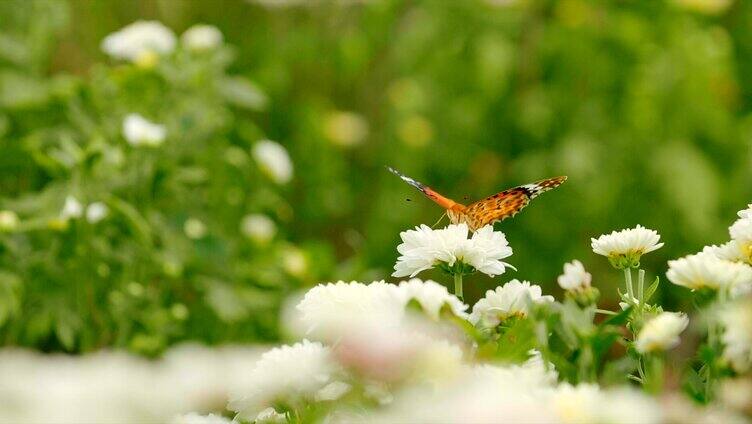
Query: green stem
[641,288]
[458,285]
[628,278]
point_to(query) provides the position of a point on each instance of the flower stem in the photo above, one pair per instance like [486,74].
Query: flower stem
[458,285]
[630,289]
[641,288]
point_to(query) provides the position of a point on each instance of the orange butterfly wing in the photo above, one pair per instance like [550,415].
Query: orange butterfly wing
[506,204]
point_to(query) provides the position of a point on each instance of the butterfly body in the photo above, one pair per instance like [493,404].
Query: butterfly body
[497,207]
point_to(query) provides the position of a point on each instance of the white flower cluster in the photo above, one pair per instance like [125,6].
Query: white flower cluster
[705,270]
[725,267]
[329,310]
[111,387]
[143,41]
[424,248]
[74,209]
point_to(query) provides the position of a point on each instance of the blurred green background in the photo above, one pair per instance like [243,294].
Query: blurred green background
[645,105]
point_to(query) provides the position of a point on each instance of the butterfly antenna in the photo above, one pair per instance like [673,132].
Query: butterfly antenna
[440,219]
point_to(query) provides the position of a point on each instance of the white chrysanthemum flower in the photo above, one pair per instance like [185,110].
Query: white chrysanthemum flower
[194,418]
[730,251]
[423,248]
[661,332]
[96,212]
[273,160]
[741,233]
[258,227]
[575,277]
[512,299]
[294,373]
[138,131]
[334,308]
[72,208]
[201,37]
[703,270]
[624,248]
[8,221]
[431,296]
[737,334]
[139,41]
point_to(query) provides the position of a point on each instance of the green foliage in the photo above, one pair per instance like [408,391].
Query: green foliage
[169,261]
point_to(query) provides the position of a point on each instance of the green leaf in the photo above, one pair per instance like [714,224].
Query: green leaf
[516,342]
[138,223]
[10,296]
[619,319]
[65,334]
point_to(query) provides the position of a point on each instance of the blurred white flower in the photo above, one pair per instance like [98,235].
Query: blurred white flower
[72,208]
[258,227]
[730,251]
[110,387]
[431,296]
[194,228]
[297,372]
[96,212]
[575,277]
[481,394]
[139,40]
[512,299]
[423,248]
[588,404]
[736,319]
[201,37]
[194,418]
[8,220]
[661,332]
[624,248]
[273,160]
[577,404]
[345,129]
[736,393]
[294,261]
[703,270]
[138,131]
[332,309]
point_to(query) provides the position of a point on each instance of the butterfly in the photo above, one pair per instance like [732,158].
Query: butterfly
[492,209]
